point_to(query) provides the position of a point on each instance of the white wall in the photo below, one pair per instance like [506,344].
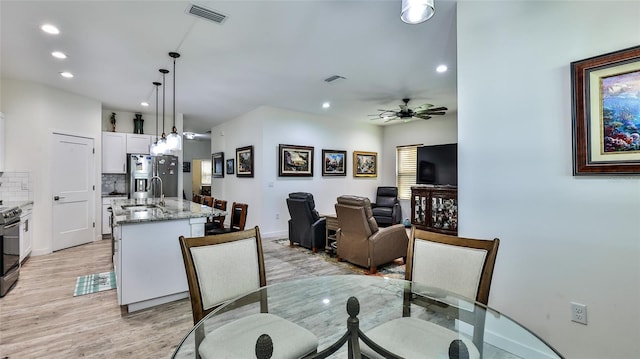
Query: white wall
[265,128]
[33,112]
[563,238]
[436,131]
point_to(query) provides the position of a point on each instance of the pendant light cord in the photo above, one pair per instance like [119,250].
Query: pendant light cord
[174,55]
[156,84]
[164,72]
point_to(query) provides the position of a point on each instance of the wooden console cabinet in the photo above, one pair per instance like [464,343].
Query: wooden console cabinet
[435,208]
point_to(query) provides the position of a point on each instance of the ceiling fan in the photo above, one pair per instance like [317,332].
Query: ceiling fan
[422,112]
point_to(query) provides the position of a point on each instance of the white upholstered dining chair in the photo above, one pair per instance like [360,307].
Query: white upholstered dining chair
[463,266]
[223,267]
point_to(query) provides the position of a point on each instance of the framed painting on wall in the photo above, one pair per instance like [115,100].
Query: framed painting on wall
[295,161]
[606,113]
[217,163]
[334,163]
[244,161]
[230,167]
[365,164]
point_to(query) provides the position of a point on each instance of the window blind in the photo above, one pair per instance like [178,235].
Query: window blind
[406,169]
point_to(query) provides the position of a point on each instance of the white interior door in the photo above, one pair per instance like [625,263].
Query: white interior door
[73,191]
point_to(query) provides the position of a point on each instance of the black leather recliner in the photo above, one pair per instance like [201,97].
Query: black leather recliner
[306,227]
[386,209]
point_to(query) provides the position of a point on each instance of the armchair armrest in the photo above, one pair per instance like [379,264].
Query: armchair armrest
[397,232]
[397,213]
[388,244]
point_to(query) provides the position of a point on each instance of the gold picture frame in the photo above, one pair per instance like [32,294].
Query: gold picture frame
[365,164]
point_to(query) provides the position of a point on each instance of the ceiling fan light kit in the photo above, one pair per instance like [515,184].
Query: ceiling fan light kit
[405,114]
[417,11]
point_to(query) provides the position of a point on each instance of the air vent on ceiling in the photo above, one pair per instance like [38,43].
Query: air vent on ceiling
[334,78]
[205,13]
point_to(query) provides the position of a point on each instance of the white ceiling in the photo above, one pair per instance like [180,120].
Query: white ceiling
[274,53]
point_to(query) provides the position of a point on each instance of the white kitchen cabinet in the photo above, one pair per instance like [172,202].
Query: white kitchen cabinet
[137,143]
[106,215]
[114,152]
[25,232]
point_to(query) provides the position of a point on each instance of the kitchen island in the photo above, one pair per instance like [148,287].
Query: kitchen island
[147,259]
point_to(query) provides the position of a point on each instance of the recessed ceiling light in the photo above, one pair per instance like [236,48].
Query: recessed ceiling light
[50,29]
[145,104]
[326,104]
[66,74]
[441,68]
[59,55]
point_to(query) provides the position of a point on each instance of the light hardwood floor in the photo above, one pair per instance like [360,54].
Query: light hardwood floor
[40,317]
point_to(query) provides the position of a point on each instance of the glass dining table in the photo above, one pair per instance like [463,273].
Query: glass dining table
[319,304]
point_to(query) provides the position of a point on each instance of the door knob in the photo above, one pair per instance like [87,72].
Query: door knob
[56,198]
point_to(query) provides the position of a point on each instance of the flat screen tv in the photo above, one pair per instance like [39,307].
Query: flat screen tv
[438,165]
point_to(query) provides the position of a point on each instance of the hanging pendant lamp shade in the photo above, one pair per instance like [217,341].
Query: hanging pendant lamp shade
[162,142]
[174,140]
[155,150]
[417,11]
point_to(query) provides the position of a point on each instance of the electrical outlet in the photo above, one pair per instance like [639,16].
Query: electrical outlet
[277,215]
[579,313]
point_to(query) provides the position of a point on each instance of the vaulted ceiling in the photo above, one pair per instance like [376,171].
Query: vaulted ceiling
[274,53]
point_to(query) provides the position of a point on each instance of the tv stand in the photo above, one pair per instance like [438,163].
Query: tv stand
[435,208]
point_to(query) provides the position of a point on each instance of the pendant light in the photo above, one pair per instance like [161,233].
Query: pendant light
[417,11]
[162,142]
[174,140]
[154,147]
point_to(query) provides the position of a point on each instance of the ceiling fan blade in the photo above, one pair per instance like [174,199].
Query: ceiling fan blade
[424,117]
[425,106]
[433,109]
[433,113]
[391,119]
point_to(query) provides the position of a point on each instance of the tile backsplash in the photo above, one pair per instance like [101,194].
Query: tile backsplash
[113,183]
[16,186]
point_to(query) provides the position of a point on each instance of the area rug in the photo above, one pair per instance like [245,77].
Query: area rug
[93,283]
[393,269]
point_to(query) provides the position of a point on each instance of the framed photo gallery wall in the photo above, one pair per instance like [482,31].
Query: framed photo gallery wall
[298,161]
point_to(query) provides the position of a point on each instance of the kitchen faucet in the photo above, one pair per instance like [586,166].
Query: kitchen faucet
[161,192]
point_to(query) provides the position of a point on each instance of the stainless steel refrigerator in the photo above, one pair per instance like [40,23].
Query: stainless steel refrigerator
[141,168]
[166,167]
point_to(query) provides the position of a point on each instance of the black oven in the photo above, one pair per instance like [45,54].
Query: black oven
[10,248]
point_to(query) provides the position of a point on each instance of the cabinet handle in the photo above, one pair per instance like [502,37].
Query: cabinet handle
[26,225]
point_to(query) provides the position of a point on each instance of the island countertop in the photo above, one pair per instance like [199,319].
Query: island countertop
[150,209]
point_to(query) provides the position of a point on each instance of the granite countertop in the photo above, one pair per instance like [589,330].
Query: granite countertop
[149,210]
[114,194]
[20,204]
